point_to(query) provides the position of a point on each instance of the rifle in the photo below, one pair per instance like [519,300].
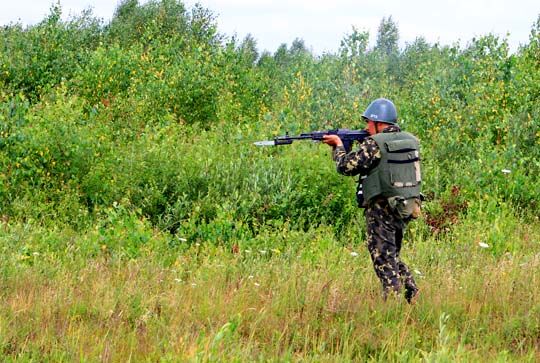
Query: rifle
[348,137]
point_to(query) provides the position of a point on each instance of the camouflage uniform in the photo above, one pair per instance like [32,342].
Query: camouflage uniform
[384,228]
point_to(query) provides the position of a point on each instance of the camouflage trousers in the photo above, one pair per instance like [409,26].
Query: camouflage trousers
[385,235]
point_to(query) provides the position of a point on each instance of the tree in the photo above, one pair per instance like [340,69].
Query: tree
[387,37]
[248,49]
[354,44]
[298,47]
[134,23]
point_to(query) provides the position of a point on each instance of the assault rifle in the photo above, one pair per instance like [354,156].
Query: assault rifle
[348,137]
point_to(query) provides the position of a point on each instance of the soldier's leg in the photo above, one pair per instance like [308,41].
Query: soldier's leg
[382,248]
[406,276]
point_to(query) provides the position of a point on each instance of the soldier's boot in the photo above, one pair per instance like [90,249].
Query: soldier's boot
[411,294]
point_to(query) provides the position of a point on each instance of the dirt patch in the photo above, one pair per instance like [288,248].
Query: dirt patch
[452,208]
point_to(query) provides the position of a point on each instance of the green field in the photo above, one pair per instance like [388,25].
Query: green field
[138,222]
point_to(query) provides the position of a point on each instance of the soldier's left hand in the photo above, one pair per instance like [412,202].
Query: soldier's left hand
[332,140]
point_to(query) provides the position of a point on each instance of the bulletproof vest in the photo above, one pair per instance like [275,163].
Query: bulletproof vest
[398,172]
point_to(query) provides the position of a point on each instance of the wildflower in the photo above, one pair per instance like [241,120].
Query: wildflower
[257,284]
[483,244]
[506,171]
[354,254]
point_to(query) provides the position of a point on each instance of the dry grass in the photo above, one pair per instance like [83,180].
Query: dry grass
[315,305]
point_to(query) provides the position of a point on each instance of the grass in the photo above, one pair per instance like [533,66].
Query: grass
[255,254]
[310,299]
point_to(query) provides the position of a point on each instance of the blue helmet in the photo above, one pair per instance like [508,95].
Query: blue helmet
[381,110]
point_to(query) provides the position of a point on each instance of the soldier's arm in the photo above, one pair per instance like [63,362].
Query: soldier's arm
[357,162]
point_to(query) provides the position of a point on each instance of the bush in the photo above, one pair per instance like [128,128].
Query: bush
[156,111]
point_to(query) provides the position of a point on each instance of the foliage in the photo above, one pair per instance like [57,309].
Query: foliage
[36,59]
[387,37]
[355,44]
[126,161]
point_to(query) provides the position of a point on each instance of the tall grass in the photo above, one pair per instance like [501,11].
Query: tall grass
[308,297]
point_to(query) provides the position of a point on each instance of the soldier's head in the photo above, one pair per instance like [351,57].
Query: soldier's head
[380,114]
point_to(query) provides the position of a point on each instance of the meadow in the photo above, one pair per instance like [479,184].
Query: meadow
[138,222]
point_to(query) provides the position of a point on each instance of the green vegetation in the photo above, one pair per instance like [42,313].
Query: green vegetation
[138,221]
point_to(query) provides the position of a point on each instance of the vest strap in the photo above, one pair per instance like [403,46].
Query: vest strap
[403,161]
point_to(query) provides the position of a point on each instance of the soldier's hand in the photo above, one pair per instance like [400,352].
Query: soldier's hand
[332,140]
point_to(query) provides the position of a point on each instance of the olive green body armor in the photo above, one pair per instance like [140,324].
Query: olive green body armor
[398,172]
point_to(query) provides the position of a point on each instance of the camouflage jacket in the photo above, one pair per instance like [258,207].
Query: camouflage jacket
[362,160]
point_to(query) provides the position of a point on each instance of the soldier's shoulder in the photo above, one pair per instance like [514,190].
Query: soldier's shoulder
[411,135]
[370,148]
[369,143]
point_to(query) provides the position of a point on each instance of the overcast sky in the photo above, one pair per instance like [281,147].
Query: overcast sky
[323,23]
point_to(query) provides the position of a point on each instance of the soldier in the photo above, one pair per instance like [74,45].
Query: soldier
[388,163]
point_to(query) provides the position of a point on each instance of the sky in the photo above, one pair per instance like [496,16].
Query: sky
[323,23]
